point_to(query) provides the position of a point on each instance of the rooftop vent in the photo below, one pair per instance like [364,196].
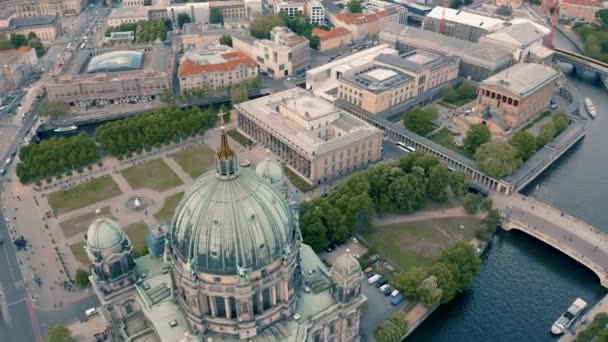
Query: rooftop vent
[172,323]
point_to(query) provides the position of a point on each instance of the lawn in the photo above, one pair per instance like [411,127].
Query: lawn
[165,214]
[444,138]
[79,253]
[153,174]
[195,161]
[80,224]
[137,234]
[85,194]
[296,180]
[241,139]
[420,243]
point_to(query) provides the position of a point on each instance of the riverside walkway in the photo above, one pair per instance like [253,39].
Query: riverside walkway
[575,238]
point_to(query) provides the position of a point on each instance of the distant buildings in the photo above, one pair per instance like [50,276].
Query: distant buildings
[110,75]
[315,12]
[316,140]
[215,66]
[196,36]
[284,54]
[290,8]
[333,38]
[391,80]
[517,94]
[199,11]
[133,11]
[477,62]
[16,66]
[33,8]
[520,40]
[46,27]
[461,24]
[363,26]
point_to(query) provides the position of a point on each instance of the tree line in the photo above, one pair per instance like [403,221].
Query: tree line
[152,129]
[55,156]
[16,40]
[399,186]
[146,31]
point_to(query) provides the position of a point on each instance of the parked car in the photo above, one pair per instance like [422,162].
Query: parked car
[374,278]
[398,299]
[381,282]
[388,291]
[383,288]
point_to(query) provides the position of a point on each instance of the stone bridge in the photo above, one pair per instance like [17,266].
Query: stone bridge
[573,237]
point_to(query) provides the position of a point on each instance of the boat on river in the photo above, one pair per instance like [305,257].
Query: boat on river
[568,317]
[590,107]
[65,129]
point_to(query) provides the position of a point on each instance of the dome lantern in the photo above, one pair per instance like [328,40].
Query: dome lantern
[227,166]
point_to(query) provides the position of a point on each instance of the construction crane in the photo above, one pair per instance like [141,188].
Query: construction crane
[553,11]
[442,22]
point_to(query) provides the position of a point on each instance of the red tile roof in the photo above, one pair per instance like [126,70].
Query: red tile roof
[360,18]
[23,49]
[233,60]
[326,35]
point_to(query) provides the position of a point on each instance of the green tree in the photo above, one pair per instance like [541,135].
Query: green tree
[18,40]
[455,4]
[497,159]
[459,183]
[167,96]
[420,121]
[53,109]
[602,15]
[477,135]
[429,292]
[491,222]
[438,181]
[314,41]
[536,2]
[261,26]
[545,135]
[560,122]
[471,203]
[239,94]
[393,329]
[31,35]
[82,278]
[448,94]
[59,333]
[354,6]
[407,193]
[466,90]
[408,281]
[525,143]
[215,16]
[226,40]
[183,18]
[445,281]
[464,263]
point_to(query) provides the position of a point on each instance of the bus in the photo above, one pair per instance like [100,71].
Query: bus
[403,147]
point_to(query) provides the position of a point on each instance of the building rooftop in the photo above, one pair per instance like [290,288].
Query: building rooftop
[325,35]
[114,61]
[523,78]
[6,14]
[281,35]
[208,61]
[128,12]
[376,78]
[522,34]
[294,115]
[360,18]
[437,42]
[590,3]
[23,22]
[466,18]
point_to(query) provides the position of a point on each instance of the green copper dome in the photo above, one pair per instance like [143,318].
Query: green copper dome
[104,234]
[270,170]
[229,221]
[345,267]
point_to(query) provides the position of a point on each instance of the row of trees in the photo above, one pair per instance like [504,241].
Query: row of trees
[53,109]
[15,41]
[161,126]
[302,26]
[55,156]
[451,274]
[238,92]
[596,330]
[146,31]
[595,39]
[261,26]
[461,95]
[398,186]
[420,120]
[393,329]
[527,144]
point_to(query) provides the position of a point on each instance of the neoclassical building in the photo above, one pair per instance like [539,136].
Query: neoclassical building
[234,268]
[32,8]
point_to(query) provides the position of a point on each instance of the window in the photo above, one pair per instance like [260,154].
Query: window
[217,279]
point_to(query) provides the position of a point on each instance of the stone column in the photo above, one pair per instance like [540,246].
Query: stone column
[213,306]
[228,308]
[260,302]
[204,300]
[273,295]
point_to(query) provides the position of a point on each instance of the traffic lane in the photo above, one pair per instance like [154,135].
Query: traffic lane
[11,278]
[66,315]
[18,327]
[584,247]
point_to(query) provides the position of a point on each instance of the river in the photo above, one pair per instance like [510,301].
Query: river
[524,285]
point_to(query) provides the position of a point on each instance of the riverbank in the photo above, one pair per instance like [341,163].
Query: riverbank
[583,321]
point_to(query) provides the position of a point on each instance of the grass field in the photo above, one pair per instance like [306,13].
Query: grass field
[153,174]
[238,137]
[420,243]
[137,234]
[80,224]
[296,180]
[445,139]
[85,194]
[79,253]
[195,161]
[165,214]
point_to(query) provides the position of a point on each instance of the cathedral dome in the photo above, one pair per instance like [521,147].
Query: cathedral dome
[345,267]
[104,234]
[270,170]
[230,221]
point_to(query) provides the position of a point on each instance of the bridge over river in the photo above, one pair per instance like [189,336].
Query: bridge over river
[575,238]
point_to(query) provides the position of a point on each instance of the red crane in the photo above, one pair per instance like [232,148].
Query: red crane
[442,22]
[553,8]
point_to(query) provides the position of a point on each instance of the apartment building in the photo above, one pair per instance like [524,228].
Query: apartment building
[518,94]
[284,54]
[33,8]
[16,66]
[290,8]
[197,36]
[390,80]
[333,38]
[315,12]
[316,140]
[363,26]
[215,66]
[461,24]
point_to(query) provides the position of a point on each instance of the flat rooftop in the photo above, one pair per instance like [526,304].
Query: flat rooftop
[523,78]
[289,113]
[376,78]
[466,18]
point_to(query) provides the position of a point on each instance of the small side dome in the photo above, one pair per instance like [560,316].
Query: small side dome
[104,233]
[270,170]
[345,267]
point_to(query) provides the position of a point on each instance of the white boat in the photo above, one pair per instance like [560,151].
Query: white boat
[65,129]
[590,107]
[568,317]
